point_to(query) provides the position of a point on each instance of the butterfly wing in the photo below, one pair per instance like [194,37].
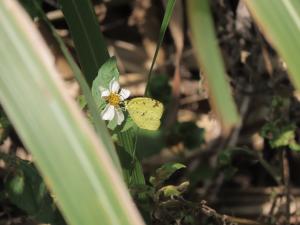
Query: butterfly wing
[145,112]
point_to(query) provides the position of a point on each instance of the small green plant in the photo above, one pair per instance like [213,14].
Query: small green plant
[26,190]
[279,131]
[166,201]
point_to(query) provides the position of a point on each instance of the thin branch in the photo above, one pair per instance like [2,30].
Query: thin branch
[286,180]
[225,218]
[210,212]
[269,169]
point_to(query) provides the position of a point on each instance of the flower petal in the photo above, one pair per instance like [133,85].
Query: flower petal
[105,93]
[124,93]
[108,113]
[120,116]
[114,86]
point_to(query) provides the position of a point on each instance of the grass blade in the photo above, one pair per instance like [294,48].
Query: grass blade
[132,169]
[99,124]
[210,59]
[82,9]
[281,26]
[163,28]
[72,160]
[85,30]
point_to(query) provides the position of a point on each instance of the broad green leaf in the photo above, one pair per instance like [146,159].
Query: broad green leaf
[170,191]
[107,72]
[284,139]
[72,160]
[294,146]
[209,57]
[164,172]
[280,135]
[280,23]
[26,189]
[85,30]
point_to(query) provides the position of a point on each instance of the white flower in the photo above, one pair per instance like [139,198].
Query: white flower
[114,97]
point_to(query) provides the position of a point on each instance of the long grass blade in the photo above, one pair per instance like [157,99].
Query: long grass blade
[71,158]
[83,9]
[209,57]
[163,28]
[85,30]
[280,23]
[98,123]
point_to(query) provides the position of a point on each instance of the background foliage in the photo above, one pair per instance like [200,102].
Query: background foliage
[227,73]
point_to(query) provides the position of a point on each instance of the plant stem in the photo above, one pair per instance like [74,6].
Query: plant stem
[225,219]
[286,181]
[269,169]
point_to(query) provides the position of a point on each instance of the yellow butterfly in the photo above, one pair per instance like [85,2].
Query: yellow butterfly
[145,112]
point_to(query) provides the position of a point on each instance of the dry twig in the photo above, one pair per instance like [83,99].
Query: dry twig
[225,218]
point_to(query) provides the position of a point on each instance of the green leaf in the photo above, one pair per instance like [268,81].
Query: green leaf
[129,123]
[164,172]
[224,158]
[294,146]
[68,153]
[15,185]
[284,139]
[5,126]
[280,134]
[26,189]
[280,25]
[89,41]
[209,57]
[171,191]
[107,72]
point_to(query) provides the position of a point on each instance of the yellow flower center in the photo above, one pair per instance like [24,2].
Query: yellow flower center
[113,99]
